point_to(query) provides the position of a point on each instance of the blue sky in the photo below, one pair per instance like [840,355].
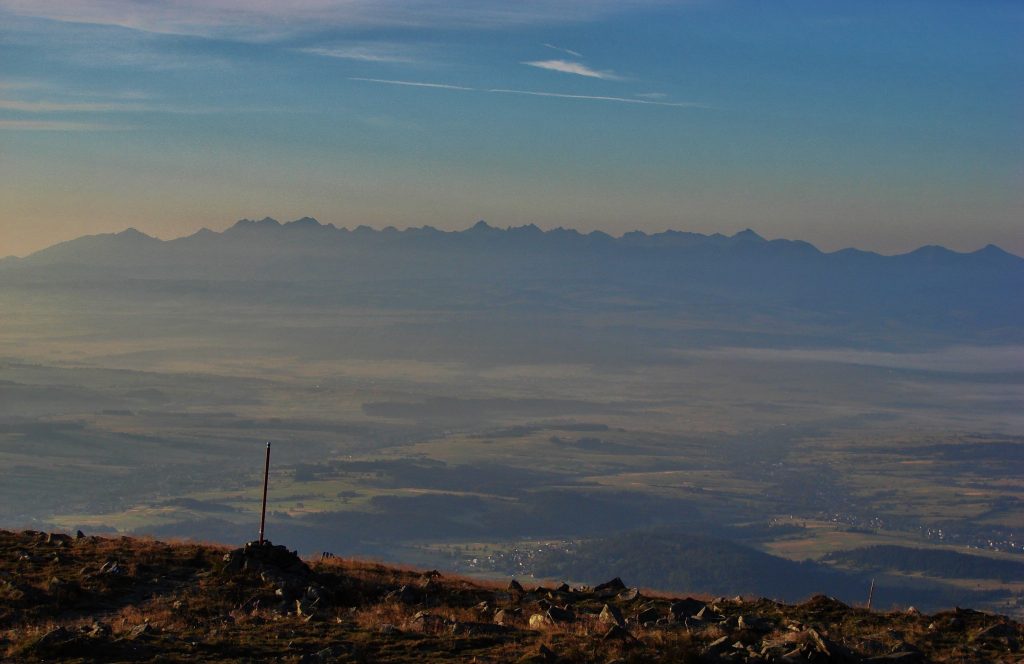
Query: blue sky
[882,125]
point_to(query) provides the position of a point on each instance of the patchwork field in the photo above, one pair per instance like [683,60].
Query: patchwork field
[410,447]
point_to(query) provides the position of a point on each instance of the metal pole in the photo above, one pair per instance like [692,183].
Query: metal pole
[266,478]
[871,593]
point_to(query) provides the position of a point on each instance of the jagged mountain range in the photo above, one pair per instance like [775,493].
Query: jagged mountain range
[964,296]
[307,237]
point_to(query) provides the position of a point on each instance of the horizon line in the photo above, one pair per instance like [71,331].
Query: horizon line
[308,221]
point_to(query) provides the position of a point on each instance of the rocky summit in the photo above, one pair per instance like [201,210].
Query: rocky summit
[96,599]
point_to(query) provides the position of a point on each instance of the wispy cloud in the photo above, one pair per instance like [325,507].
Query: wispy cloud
[623,100]
[534,93]
[56,125]
[20,85]
[363,53]
[651,95]
[415,84]
[263,19]
[567,67]
[575,54]
[65,107]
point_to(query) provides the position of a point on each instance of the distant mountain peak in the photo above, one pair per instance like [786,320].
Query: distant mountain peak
[993,250]
[931,250]
[133,232]
[305,222]
[265,222]
[481,226]
[532,229]
[748,235]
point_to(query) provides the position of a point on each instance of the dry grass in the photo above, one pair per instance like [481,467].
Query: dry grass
[175,602]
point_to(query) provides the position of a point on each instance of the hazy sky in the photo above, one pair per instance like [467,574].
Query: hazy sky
[884,125]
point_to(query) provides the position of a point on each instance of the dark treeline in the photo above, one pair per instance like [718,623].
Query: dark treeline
[932,562]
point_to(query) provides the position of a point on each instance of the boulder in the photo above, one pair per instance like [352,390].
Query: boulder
[561,615]
[267,556]
[612,616]
[539,621]
[685,608]
[647,616]
[754,624]
[615,585]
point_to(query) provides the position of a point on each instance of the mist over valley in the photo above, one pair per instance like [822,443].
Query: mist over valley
[705,413]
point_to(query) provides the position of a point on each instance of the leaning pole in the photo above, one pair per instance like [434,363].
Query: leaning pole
[266,478]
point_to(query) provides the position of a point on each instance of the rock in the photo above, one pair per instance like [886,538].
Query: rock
[324,656]
[612,616]
[898,658]
[111,567]
[824,603]
[615,585]
[685,608]
[405,595]
[144,630]
[539,621]
[315,593]
[715,648]
[507,615]
[818,642]
[707,615]
[305,609]
[997,630]
[630,595]
[515,587]
[754,624]
[53,637]
[427,621]
[562,588]
[694,623]
[649,615]
[267,556]
[387,629]
[561,615]
[98,630]
[547,653]
[79,535]
[618,633]
[59,539]
[478,628]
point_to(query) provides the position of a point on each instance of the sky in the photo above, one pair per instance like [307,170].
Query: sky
[884,125]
